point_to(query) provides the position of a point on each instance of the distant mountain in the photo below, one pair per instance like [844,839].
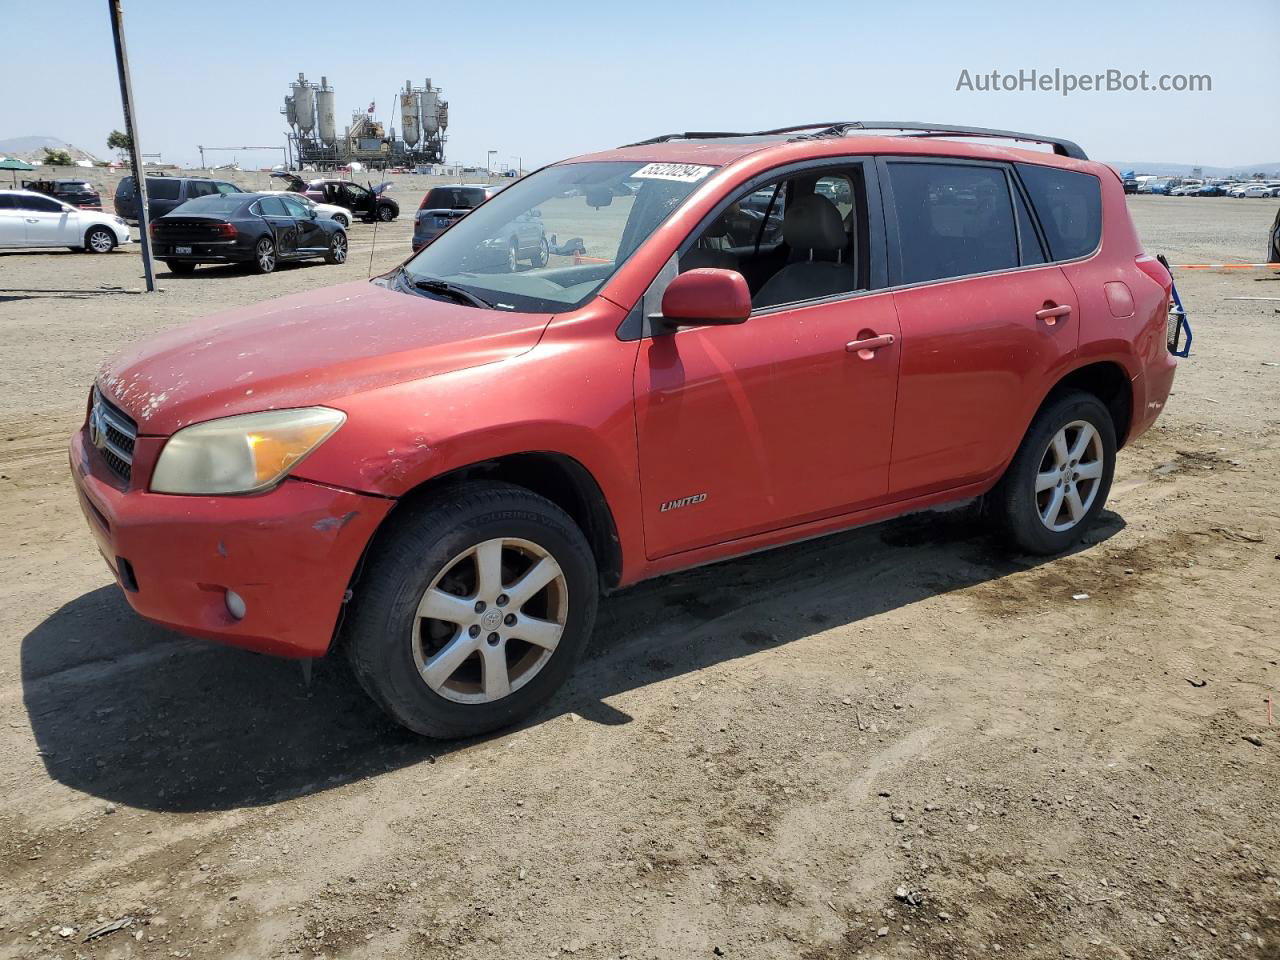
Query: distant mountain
[1162,169]
[32,148]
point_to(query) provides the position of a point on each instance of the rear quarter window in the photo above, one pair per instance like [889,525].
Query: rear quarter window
[1069,206]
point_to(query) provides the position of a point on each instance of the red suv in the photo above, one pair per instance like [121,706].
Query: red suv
[754,339]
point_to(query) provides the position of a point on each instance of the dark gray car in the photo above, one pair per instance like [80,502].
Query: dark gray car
[164,194]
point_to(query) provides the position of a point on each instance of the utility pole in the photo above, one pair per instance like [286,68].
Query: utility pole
[135,150]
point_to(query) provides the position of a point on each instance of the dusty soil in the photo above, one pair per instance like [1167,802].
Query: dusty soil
[898,742]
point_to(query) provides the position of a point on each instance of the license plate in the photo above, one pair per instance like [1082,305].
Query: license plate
[181,249]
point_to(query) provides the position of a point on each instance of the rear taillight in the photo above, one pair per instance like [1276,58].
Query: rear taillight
[152,229]
[1154,269]
[226,230]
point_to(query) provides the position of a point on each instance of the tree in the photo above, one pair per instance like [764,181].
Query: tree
[119,142]
[57,158]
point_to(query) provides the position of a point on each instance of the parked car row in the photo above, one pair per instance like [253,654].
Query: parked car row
[1199,188]
[340,200]
[72,190]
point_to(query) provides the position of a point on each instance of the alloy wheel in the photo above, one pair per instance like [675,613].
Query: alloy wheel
[385,214]
[1068,479]
[101,241]
[490,620]
[266,255]
[339,252]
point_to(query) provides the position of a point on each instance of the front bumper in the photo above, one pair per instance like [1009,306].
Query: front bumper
[289,553]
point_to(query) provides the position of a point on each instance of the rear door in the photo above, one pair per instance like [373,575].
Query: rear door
[163,195]
[987,324]
[13,226]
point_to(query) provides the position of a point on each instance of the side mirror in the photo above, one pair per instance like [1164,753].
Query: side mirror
[704,297]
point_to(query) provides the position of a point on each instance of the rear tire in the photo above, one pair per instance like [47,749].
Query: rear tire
[99,240]
[1058,481]
[542,254]
[181,267]
[337,252]
[264,255]
[471,670]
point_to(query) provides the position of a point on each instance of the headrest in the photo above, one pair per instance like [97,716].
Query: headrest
[813,223]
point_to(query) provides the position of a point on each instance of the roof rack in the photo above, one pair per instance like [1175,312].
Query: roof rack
[1064,148]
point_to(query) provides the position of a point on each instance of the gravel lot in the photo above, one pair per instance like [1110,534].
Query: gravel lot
[897,742]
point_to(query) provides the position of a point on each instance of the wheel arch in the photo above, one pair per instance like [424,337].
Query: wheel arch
[561,479]
[84,238]
[1109,382]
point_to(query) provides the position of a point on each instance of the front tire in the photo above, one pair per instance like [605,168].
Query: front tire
[99,240]
[264,255]
[385,213]
[472,610]
[1058,481]
[342,221]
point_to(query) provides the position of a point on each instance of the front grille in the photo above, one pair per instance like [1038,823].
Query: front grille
[113,434]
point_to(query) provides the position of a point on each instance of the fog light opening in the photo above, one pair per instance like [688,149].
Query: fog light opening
[235,605]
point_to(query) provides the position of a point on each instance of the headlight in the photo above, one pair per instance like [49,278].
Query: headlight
[241,454]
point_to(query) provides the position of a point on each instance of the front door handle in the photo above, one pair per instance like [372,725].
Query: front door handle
[1052,312]
[32,219]
[866,349]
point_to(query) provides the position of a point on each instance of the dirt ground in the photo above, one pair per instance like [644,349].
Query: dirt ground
[898,742]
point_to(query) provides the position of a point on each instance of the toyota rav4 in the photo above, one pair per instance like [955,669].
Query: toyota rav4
[755,339]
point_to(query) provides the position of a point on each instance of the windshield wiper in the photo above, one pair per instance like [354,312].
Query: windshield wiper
[445,289]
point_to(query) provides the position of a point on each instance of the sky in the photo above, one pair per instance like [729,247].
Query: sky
[543,81]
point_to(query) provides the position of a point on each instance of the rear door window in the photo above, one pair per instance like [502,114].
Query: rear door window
[200,188]
[953,220]
[162,188]
[1029,249]
[1069,206]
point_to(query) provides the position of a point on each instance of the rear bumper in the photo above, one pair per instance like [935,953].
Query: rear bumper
[1151,390]
[226,250]
[289,553]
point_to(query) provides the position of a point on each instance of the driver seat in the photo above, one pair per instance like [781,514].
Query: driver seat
[810,224]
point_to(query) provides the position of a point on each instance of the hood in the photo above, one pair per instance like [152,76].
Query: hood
[306,349]
[381,188]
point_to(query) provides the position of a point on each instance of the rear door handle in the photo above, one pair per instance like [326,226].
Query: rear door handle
[1050,314]
[867,348]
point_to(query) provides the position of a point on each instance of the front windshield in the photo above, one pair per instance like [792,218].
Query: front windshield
[548,242]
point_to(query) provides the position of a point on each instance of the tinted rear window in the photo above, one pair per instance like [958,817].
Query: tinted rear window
[953,220]
[1069,206]
[214,205]
[162,188]
[454,198]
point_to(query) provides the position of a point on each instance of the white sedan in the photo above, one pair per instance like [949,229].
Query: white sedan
[30,219]
[1259,190]
[325,211]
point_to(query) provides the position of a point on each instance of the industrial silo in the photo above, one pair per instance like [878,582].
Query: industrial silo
[409,113]
[290,112]
[430,109]
[325,118]
[304,104]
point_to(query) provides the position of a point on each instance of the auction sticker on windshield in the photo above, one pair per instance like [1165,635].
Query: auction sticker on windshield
[684,172]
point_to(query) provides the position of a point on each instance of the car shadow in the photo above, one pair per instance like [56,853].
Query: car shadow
[135,714]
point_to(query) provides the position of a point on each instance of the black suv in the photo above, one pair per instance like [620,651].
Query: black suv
[166,193]
[78,193]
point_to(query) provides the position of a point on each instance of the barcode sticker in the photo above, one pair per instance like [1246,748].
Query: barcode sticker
[683,172]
